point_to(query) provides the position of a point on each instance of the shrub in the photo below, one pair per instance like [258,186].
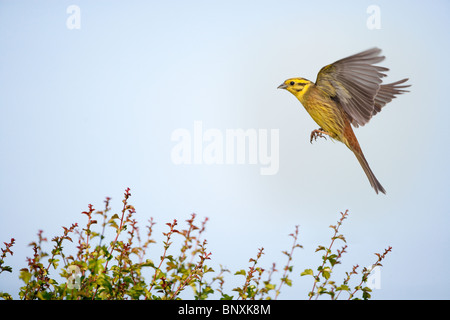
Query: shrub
[119,268]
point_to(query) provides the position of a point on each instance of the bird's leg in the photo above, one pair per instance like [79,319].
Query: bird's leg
[318,133]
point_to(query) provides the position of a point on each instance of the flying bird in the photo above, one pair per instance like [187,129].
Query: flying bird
[347,92]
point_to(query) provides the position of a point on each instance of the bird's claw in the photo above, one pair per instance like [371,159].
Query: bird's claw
[317,133]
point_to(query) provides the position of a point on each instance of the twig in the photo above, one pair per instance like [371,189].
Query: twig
[336,229]
[286,268]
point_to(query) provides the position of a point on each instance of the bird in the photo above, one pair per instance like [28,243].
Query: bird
[348,92]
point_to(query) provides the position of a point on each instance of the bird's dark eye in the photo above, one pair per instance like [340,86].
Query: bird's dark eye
[292,83]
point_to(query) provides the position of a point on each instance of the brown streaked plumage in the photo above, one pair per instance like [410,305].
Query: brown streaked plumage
[347,92]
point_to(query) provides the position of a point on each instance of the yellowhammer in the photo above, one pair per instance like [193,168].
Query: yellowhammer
[347,92]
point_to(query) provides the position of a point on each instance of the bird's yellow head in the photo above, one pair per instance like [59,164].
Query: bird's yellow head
[296,86]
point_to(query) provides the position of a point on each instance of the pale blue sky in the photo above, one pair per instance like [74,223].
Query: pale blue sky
[86,113]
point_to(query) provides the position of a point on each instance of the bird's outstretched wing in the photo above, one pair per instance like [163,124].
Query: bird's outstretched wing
[387,92]
[356,83]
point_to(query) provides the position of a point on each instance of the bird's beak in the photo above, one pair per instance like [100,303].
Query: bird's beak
[282,86]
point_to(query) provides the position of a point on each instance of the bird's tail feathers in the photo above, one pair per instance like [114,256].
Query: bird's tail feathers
[372,179]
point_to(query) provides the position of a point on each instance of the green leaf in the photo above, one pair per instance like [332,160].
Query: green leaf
[113,224]
[319,248]
[5,296]
[288,281]
[326,273]
[54,262]
[343,287]
[270,286]
[148,263]
[366,295]
[96,266]
[321,290]
[339,236]
[307,272]
[115,216]
[332,259]
[240,272]
[94,234]
[6,268]
[25,275]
